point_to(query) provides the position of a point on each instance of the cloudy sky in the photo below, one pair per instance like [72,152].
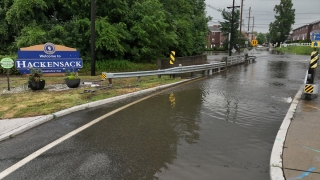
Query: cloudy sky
[307,11]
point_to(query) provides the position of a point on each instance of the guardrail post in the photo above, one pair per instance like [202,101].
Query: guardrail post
[225,59]
[192,74]
[138,79]
[210,71]
[110,82]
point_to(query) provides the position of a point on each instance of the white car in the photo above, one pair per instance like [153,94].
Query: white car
[259,46]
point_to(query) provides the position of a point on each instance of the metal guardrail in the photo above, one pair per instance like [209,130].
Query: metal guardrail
[230,60]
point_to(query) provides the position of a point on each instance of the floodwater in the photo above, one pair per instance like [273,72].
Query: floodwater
[221,127]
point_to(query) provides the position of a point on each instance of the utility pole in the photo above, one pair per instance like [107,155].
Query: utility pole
[252,29]
[93,38]
[249,22]
[231,39]
[239,42]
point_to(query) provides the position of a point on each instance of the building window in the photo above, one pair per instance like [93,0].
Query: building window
[212,40]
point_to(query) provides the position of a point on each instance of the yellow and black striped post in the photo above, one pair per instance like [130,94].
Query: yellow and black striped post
[312,68]
[314,59]
[309,88]
[172,57]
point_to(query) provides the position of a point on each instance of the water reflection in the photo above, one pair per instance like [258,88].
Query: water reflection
[278,69]
[137,143]
[241,112]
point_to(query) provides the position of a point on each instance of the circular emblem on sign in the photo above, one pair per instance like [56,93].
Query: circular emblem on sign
[7,63]
[49,48]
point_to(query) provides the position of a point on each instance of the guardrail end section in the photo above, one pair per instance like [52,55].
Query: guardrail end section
[110,75]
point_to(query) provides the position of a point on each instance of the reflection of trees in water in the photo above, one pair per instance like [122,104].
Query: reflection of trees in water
[278,69]
[231,109]
[143,138]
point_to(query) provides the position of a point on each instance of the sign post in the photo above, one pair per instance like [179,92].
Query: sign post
[7,63]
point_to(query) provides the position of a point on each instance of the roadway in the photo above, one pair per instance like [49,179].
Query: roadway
[218,127]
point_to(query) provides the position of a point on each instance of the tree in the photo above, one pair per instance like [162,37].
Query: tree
[267,37]
[188,19]
[284,19]
[243,39]
[139,31]
[261,38]
[151,35]
[226,27]
[6,30]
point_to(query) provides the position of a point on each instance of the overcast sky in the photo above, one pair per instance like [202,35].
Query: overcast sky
[307,11]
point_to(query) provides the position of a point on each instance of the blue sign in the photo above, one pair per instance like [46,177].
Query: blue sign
[49,58]
[42,55]
[315,37]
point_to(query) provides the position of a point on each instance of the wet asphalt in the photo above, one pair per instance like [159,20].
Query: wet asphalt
[218,127]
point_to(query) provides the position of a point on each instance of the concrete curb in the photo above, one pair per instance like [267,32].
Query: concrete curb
[37,121]
[40,120]
[276,171]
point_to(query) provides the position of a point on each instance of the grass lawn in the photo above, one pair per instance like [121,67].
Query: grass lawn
[299,50]
[27,103]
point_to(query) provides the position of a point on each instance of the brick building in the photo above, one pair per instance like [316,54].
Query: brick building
[215,37]
[304,32]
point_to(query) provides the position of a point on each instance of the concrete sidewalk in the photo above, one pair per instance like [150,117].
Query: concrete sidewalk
[296,150]
[301,154]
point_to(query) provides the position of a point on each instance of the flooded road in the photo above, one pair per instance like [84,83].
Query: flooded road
[219,127]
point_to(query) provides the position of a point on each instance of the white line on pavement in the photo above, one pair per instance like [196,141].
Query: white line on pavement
[65,137]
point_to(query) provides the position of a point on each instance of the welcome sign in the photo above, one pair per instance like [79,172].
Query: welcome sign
[48,57]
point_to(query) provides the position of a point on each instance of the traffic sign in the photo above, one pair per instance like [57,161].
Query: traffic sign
[315,44]
[315,37]
[7,63]
[254,42]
